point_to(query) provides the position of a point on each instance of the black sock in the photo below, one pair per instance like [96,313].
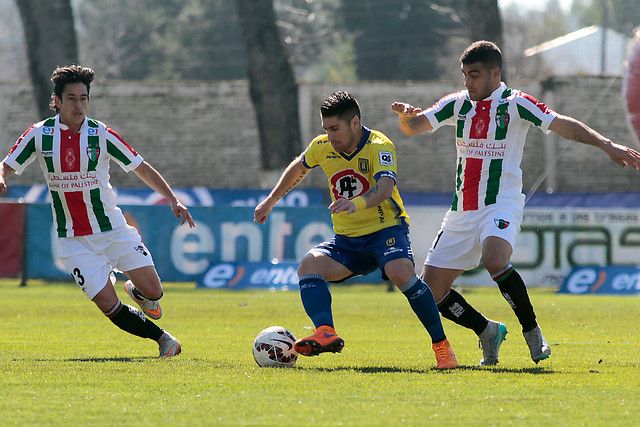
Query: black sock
[132,320]
[455,308]
[515,292]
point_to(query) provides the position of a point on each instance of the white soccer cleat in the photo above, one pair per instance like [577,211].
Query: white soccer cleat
[169,346]
[150,308]
[490,341]
[538,346]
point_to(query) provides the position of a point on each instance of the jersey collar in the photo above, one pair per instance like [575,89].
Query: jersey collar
[361,144]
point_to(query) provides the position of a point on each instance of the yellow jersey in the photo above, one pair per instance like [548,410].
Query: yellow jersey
[352,175]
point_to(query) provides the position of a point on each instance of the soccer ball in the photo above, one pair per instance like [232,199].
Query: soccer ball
[273,347]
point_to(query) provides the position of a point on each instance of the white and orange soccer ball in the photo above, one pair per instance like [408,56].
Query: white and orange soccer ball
[273,347]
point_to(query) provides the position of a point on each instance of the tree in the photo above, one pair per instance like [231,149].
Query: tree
[622,16]
[400,40]
[51,42]
[273,88]
[484,20]
[202,40]
[485,23]
[162,39]
[313,33]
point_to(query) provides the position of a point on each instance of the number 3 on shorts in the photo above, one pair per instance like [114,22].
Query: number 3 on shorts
[79,278]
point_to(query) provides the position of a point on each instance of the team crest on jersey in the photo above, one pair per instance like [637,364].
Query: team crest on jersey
[502,120]
[363,165]
[391,241]
[501,223]
[93,153]
[348,184]
[70,158]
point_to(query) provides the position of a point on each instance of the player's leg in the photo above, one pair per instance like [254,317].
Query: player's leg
[402,272]
[92,272]
[453,251]
[133,321]
[496,253]
[145,289]
[451,303]
[314,271]
[127,253]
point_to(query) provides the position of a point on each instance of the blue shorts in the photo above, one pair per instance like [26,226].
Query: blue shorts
[363,255]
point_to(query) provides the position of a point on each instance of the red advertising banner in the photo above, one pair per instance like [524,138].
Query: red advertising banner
[12,217]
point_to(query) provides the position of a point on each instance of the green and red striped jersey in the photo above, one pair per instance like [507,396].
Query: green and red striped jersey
[490,137]
[76,168]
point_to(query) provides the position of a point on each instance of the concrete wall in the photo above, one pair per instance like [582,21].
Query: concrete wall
[204,133]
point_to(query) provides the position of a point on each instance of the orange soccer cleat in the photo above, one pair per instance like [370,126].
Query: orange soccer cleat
[323,340]
[444,355]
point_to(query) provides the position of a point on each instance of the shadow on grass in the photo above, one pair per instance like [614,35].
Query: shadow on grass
[536,370]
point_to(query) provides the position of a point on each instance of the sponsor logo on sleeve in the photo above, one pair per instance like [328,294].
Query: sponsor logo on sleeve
[386,158]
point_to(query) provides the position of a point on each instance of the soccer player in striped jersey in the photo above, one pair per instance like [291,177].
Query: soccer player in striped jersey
[490,122]
[369,219]
[94,239]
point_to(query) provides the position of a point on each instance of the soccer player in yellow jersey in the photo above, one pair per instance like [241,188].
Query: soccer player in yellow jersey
[371,225]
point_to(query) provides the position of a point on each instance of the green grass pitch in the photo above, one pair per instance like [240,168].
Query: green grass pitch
[62,362]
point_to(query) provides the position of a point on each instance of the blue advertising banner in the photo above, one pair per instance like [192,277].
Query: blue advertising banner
[552,242]
[618,280]
[266,275]
[222,234]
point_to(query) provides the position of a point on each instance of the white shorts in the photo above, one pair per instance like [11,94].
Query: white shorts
[458,244]
[91,259]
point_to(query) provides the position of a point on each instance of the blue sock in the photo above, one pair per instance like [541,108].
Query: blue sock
[316,299]
[422,302]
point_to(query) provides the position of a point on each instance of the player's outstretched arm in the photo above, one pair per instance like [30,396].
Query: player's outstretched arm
[5,172]
[292,176]
[155,181]
[410,120]
[574,130]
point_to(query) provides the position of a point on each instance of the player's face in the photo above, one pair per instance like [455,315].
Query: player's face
[73,105]
[480,81]
[343,135]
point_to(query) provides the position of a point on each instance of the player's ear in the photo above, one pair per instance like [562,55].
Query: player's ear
[496,72]
[355,123]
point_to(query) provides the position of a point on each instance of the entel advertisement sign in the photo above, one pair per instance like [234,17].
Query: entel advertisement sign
[602,280]
[222,234]
[552,242]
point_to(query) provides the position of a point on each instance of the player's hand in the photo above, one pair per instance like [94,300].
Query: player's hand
[3,187]
[262,211]
[342,205]
[624,156]
[181,211]
[405,109]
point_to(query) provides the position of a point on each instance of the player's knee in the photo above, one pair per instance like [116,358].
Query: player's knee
[308,265]
[495,263]
[400,272]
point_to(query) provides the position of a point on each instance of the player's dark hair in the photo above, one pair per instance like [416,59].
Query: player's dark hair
[485,52]
[70,74]
[341,104]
